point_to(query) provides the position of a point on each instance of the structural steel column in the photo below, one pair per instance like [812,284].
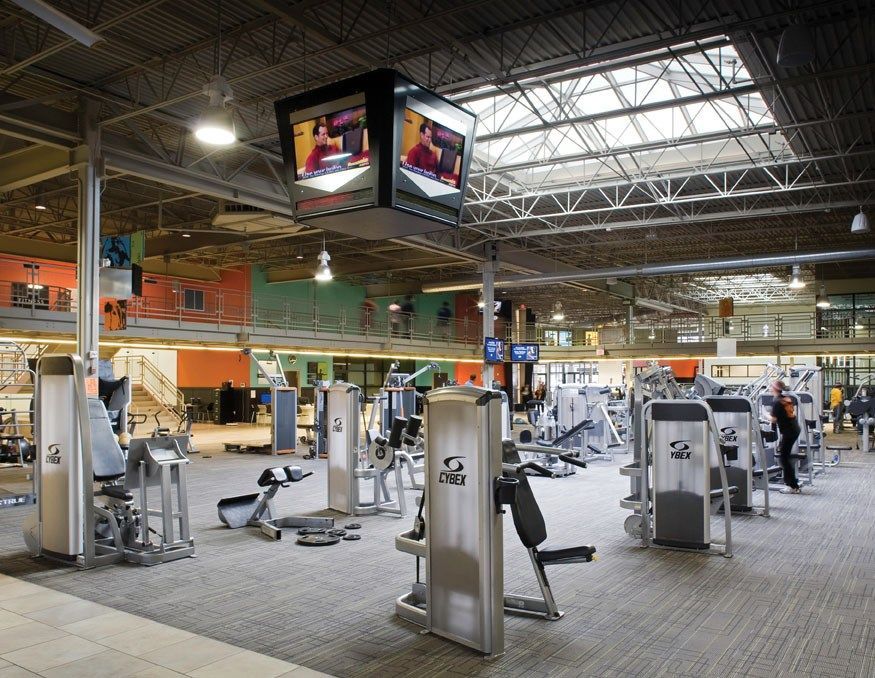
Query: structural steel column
[490,264]
[630,323]
[88,167]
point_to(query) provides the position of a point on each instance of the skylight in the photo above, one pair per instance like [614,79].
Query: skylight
[602,123]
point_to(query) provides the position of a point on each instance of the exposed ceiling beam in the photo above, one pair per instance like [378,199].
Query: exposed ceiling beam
[32,165]
[348,268]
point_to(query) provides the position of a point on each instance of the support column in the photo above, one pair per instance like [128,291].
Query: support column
[89,173]
[490,264]
[630,323]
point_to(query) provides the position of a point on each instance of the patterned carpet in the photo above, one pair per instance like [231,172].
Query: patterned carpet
[797,599]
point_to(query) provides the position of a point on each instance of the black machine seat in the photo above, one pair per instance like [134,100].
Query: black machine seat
[758,472]
[836,448]
[718,493]
[107,458]
[116,492]
[279,475]
[529,521]
[562,555]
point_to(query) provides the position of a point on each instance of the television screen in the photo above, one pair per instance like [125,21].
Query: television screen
[264,398]
[331,143]
[525,353]
[431,150]
[493,350]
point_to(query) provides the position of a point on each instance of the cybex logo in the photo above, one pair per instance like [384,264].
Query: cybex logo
[680,449]
[54,455]
[730,435]
[453,475]
[338,425]
[380,453]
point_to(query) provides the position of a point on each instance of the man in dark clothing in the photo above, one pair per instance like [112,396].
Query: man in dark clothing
[443,319]
[784,414]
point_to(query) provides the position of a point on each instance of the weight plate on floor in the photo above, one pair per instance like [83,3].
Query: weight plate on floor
[318,540]
[311,530]
[353,526]
[351,537]
[337,533]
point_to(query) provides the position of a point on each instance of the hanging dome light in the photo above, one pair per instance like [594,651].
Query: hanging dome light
[216,124]
[558,312]
[822,298]
[796,281]
[323,270]
[796,47]
[40,203]
[765,329]
[481,302]
[652,334]
[860,224]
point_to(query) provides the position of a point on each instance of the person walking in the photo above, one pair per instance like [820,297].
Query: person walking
[472,380]
[395,317]
[837,405]
[784,414]
[444,314]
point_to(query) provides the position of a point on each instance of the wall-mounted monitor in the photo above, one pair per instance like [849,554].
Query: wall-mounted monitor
[376,156]
[525,353]
[493,350]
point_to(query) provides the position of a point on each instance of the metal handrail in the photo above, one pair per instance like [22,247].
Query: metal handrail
[140,370]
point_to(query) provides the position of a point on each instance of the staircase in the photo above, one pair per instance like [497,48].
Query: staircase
[142,402]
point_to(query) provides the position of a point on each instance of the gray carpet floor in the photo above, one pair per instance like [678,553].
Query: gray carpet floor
[797,599]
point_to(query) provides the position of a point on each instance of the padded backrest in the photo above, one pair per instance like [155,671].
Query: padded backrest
[115,393]
[527,517]
[293,473]
[107,458]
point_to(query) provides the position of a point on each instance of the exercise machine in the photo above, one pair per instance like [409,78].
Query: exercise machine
[471,475]
[800,452]
[348,461]
[748,469]
[16,425]
[260,510]
[76,448]
[283,404]
[862,410]
[677,444]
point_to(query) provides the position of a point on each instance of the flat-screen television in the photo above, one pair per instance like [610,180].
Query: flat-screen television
[525,353]
[331,142]
[493,350]
[375,156]
[430,149]
[264,398]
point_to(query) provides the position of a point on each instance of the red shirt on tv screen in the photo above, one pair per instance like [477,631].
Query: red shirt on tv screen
[423,158]
[314,160]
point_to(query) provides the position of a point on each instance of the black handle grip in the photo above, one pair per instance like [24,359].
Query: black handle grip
[398,426]
[568,459]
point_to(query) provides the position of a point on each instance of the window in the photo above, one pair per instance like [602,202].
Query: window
[193,300]
[557,337]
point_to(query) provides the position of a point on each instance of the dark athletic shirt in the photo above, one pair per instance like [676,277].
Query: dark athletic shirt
[784,411]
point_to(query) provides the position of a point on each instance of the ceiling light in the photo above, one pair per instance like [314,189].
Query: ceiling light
[558,312]
[216,125]
[481,302]
[860,224]
[40,204]
[323,270]
[34,286]
[822,298]
[796,47]
[796,281]
[765,329]
[858,325]
[652,334]
[186,235]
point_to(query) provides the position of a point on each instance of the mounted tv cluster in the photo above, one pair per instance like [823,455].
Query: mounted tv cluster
[376,156]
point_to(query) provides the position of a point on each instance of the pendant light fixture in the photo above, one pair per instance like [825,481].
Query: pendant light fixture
[860,224]
[558,312]
[796,281]
[216,125]
[323,270]
[481,302]
[796,47]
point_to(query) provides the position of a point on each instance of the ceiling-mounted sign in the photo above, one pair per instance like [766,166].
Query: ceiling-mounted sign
[138,247]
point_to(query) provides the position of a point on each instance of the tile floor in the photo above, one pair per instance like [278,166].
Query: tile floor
[49,633]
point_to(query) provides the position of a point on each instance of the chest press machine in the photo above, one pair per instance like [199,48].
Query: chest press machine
[283,404]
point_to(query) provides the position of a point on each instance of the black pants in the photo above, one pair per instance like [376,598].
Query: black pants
[838,418]
[785,447]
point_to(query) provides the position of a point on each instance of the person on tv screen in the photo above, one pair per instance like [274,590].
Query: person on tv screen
[421,155]
[323,148]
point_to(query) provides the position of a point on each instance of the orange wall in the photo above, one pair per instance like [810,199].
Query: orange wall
[208,369]
[54,273]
